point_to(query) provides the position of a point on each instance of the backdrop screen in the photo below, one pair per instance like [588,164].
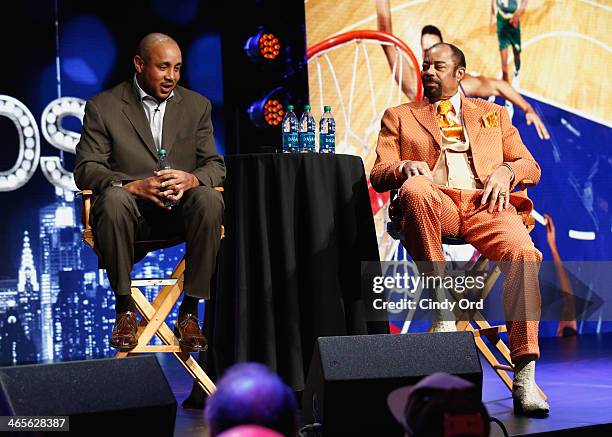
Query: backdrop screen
[565,58]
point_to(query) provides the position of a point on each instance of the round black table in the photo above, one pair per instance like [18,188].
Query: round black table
[297,228]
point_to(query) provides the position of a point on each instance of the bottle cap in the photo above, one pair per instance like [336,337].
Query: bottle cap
[162,152]
[326,108]
[306,107]
[289,107]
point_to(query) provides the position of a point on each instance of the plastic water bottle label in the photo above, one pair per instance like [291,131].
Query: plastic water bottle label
[327,142]
[290,141]
[307,141]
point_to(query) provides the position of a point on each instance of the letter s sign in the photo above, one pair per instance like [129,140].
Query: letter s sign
[29,141]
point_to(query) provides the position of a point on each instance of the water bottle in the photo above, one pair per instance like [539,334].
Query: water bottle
[290,131]
[327,132]
[164,164]
[307,131]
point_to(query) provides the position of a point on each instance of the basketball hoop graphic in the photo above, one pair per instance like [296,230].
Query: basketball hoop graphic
[350,72]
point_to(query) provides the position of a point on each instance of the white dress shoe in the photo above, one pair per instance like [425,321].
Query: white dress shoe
[443,326]
[526,399]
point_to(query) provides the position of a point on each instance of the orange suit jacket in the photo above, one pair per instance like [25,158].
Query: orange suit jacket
[411,132]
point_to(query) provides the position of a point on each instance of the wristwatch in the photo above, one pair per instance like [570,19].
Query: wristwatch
[117,183]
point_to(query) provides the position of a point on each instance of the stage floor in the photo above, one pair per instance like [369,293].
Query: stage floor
[575,373]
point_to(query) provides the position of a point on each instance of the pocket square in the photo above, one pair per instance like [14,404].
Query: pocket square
[491,119]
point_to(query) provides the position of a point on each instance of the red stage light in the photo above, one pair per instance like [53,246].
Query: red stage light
[269,46]
[273,112]
[269,111]
[263,46]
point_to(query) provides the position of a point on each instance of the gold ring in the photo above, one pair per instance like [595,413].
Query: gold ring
[503,194]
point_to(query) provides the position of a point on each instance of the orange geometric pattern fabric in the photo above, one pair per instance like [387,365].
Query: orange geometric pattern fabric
[411,132]
[431,213]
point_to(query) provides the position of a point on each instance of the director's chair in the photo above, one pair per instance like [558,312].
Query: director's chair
[154,314]
[473,320]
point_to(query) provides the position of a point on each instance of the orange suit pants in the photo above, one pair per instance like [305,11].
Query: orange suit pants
[430,212]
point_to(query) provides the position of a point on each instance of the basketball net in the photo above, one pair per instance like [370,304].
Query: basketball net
[351,73]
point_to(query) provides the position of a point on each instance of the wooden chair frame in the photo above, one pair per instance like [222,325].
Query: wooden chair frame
[476,323]
[154,314]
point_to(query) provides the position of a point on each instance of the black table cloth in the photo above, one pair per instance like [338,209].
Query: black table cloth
[297,228]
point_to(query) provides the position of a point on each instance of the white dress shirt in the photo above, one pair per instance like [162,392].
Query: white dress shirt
[454,168]
[155,111]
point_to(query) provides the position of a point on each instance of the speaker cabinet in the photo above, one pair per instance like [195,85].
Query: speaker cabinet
[103,397]
[350,377]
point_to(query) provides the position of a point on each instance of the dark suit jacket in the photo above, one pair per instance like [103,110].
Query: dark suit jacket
[117,144]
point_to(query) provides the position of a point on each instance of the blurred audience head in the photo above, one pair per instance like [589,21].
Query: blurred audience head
[440,405]
[250,431]
[251,394]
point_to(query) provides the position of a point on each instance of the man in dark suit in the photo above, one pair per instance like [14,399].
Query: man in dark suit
[124,129]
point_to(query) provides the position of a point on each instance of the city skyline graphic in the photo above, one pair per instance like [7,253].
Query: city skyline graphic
[59,305]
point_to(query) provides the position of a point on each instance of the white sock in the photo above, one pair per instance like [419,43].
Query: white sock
[443,320]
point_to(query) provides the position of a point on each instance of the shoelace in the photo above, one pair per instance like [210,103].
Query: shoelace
[188,318]
[126,321]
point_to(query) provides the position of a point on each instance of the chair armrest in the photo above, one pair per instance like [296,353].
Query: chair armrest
[394,211]
[524,184]
[529,222]
[86,196]
[221,190]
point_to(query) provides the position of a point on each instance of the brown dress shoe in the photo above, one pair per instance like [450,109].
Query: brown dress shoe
[187,329]
[124,331]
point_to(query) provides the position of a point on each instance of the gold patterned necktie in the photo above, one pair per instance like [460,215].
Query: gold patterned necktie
[449,128]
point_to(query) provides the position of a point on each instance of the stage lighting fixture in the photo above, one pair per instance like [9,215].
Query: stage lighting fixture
[263,46]
[269,111]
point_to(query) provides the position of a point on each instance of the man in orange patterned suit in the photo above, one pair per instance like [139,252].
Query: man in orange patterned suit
[455,161]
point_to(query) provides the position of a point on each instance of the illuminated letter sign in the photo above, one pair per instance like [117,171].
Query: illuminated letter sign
[29,144]
[29,141]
